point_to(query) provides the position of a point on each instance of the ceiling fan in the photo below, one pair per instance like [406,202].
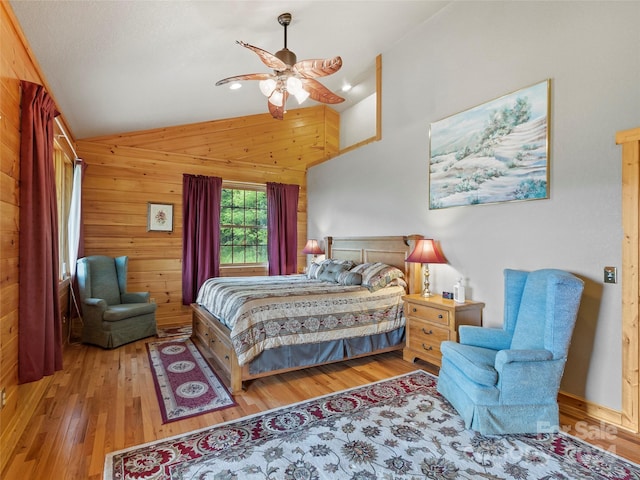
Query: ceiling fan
[289,76]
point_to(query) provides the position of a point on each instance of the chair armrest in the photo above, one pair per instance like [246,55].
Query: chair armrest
[527,377]
[92,311]
[135,297]
[96,303]
[504,357]
[493,338]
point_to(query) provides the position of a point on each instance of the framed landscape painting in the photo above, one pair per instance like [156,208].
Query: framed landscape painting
[495,152]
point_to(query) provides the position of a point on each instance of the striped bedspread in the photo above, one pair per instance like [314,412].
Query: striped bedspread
[269,312]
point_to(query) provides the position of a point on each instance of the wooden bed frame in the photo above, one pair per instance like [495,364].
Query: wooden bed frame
[213,337]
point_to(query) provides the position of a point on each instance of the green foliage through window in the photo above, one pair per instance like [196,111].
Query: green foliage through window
[243,226]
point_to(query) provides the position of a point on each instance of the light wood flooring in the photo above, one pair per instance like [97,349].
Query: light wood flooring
[104,400]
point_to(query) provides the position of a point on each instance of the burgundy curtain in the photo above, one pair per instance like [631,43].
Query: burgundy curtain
[201,197]
[40,326]
[282,225]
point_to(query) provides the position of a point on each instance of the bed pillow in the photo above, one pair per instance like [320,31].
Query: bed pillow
[330,271]
[377,275]
[349,278]
[313,270]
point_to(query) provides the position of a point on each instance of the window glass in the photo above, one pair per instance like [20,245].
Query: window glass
[64,180]
[243,225]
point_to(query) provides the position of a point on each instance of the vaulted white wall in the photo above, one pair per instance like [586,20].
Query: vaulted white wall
[472,52]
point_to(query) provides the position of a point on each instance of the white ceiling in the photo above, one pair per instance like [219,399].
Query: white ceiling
[122,66]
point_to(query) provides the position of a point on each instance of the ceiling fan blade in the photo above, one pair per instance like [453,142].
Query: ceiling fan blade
[247,76]
[278,112]
[267,58]
[318,68]
[319,92]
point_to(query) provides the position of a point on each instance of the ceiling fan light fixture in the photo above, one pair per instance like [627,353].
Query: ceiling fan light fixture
[289,76]
[276,98]
[267,86]
[294,85]
[301,96]
[235,86]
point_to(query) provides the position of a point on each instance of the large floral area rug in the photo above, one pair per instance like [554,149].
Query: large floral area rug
[399,428]
[185,384]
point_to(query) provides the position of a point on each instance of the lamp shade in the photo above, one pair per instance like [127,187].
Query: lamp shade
[312,248]
[426,251]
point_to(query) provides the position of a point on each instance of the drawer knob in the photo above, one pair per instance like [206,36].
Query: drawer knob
[430,332]
[430,347]
[414,309]
[226,357]
[440,316]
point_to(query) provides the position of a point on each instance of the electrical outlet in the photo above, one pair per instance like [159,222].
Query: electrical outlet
[610,275]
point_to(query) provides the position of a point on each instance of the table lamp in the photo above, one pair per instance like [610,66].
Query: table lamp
[425,252]
[312,248]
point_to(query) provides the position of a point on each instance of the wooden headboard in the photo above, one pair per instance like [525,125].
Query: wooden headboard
[392,250]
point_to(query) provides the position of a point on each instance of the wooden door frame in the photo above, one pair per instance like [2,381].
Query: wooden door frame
[630,141]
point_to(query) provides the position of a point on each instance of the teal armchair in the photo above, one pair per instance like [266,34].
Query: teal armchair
[507,380]
[111,315]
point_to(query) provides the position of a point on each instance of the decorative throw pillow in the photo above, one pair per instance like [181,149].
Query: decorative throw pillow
[349,278]
[331,261]
[377,275]
[323,264]
[330,272]
[397,282]
[312,272]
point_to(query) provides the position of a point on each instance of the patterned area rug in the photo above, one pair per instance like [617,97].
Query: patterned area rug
[174,332]
[185,384]
[399,428]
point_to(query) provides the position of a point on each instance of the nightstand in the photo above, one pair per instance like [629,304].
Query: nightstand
[432,320]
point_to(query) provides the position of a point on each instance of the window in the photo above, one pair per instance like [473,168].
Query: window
[243,225]
[64,179]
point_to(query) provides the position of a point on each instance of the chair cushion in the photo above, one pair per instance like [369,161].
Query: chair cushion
[477,363]
[530,325]
[115,313]
[104,279]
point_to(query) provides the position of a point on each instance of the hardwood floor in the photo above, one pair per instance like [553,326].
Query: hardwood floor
[104,400]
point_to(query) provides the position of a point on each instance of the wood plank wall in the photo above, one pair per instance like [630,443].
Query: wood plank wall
[123,176]
[17,64]
[126,171]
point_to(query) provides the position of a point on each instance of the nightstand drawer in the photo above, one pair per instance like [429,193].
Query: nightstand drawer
[432,320]
[427,313]
[425,337]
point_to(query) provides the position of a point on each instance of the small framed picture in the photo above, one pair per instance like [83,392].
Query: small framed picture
[160,217]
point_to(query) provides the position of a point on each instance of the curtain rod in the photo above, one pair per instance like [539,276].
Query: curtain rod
[66,137]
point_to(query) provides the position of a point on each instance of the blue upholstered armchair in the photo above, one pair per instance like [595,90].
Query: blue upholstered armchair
[507,380]
[111,315]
